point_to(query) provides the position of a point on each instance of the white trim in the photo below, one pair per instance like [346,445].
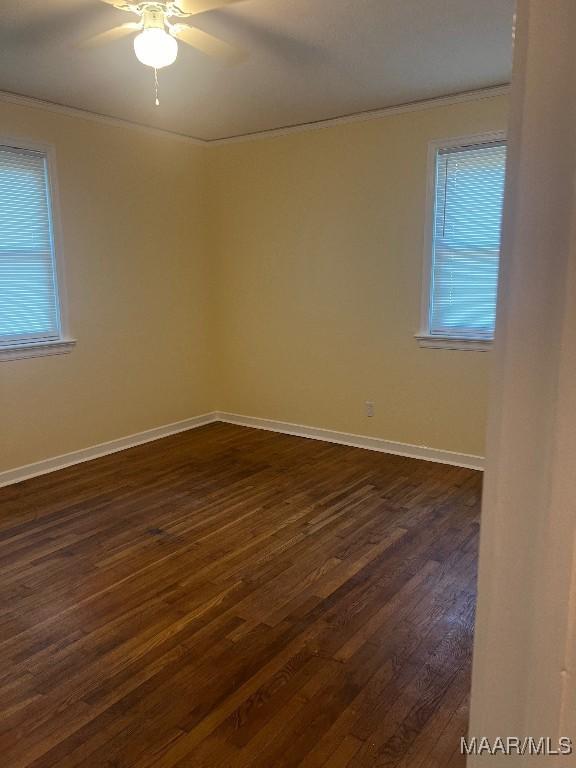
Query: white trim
[28,471]
[454,342]
[423,335]
[357,117]
[84,114]
[356,441]
[36,349]
[57,238]
[374,114]
[17,475]
[64,340]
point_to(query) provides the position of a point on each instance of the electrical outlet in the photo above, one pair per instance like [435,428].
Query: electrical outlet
[369,409]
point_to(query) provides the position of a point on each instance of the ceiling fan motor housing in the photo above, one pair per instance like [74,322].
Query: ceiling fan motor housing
[153,17]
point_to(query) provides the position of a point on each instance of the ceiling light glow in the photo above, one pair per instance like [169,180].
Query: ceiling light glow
[155,48]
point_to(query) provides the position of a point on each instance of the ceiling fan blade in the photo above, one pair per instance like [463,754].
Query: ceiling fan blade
[111,34]
[192,7]
[208,44]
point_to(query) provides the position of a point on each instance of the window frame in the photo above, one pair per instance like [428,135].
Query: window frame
[423,336]
[64,343]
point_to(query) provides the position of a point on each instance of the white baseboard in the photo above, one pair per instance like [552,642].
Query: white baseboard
[102,449]
[28,471]
[357,441]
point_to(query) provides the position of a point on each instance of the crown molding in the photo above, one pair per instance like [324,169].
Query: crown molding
[357,117]
[374,114]
[84,114]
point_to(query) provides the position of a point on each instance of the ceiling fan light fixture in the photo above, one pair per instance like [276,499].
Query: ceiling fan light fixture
[155,48]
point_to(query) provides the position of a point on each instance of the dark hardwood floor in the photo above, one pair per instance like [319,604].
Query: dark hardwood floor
[233,597]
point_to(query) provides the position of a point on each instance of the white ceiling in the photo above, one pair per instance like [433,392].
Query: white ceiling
[309,60]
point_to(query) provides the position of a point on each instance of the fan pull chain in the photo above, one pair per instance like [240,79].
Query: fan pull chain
[156,86]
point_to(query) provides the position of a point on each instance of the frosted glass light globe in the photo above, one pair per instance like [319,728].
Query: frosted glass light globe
[155,48]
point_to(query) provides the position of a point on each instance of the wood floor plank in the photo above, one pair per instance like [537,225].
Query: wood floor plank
[237,598]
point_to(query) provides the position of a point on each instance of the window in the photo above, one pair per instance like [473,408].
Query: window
[463,249]
[30,312]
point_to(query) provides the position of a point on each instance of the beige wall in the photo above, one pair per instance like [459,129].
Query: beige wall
[277,278]
[319,243]
[134,239]
[524,674]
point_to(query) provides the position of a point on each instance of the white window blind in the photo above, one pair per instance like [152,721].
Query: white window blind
[29,309]
[469,193]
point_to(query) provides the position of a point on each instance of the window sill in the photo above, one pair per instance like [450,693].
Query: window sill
[454,342]
[37,349]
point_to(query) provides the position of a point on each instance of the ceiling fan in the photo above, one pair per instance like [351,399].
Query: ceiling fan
[159,28]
